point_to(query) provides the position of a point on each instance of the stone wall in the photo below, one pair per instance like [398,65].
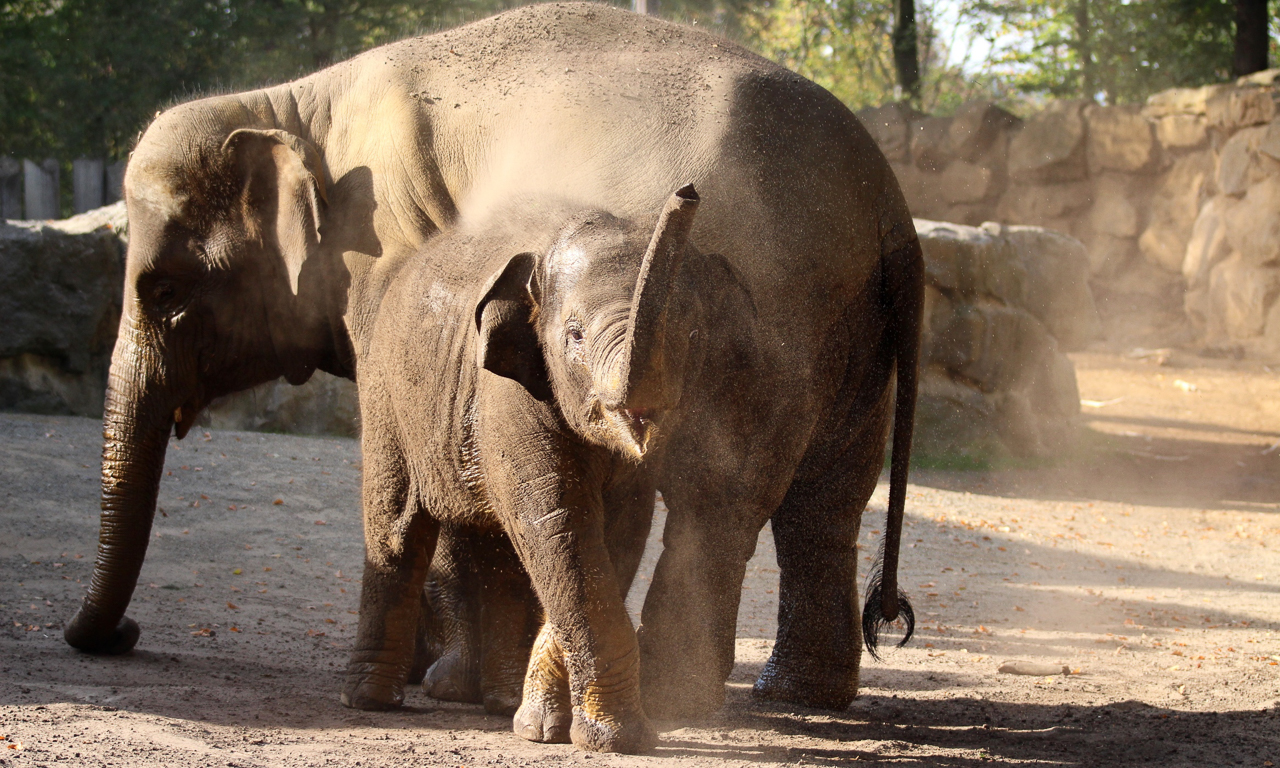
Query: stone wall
[1175,201]
[59,309]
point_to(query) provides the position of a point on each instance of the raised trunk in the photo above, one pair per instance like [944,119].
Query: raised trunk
[644,372]
[136,428]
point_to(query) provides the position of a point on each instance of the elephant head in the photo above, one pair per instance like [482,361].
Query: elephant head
[221,293]
[591,324]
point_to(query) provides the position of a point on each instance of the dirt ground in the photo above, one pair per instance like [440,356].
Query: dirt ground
[1145,562]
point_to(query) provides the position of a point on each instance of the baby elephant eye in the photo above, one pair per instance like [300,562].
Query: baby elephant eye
[575,335]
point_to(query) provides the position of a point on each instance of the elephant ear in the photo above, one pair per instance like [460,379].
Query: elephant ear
[284,180]
[508,343]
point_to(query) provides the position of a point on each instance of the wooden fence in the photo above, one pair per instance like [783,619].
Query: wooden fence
[32,190]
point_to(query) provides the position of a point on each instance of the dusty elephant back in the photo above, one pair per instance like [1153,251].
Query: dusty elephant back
[590,103]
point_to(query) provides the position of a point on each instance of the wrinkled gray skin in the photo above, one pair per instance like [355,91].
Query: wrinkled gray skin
[518,373]
[257,221]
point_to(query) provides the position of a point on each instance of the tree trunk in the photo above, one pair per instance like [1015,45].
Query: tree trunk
[1251,37]
[1084,48]
[906,57]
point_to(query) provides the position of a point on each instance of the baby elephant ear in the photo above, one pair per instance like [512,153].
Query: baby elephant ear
[508,344]
[285,185]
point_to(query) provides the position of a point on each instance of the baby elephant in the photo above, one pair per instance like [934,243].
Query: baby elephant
[513,379]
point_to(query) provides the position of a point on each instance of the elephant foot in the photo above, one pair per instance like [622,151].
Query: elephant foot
[629,733]
[789,683]
[543,721]
[372,691]
[694,700]
[86,635]
[452,679]
[678,682]
[502,702]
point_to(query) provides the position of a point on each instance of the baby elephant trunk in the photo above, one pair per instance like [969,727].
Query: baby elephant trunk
[646,374]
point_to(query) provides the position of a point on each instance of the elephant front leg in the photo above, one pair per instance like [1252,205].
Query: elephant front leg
[547,712]
[690,617]
[588,627]
[399,540]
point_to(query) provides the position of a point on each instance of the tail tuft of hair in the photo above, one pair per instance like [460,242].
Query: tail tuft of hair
[874,620]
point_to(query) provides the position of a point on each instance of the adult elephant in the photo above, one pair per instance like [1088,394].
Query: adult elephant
[256,221]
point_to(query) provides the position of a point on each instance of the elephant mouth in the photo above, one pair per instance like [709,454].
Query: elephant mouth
[636,429]
[184,417]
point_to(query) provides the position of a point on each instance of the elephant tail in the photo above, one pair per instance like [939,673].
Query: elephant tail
[902,292]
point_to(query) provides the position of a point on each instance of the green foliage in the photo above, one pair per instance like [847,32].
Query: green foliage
[82,77]
[846,46]
[843,45]
[1115,50]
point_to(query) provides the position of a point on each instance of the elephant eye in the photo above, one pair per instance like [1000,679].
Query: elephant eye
[164,292]
[573,330]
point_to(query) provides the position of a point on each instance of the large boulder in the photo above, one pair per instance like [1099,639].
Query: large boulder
[1240,296]
[1182,131]
[325,405]
[1240,164]
[888,127]
[976,127]
[1053,206]
[1253,224]
[1182,101]
[1237,108]
[1002,303]
[1055,289]
[1207,244]
[60,307]
[1051,145]
[1116,204]
[966,182]
[1173,212]
[1120,139]
[930,143]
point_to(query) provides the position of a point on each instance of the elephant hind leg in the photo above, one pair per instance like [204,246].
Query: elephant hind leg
[510,618]
[451,602]
[817,654]
[480,617]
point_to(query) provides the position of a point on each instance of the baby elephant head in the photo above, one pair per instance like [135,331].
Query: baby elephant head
[591,325]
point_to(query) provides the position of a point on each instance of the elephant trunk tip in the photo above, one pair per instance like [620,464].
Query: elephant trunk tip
[688,194]
[89,634]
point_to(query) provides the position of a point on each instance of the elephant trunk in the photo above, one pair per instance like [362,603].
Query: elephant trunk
[136,425]
[644,371]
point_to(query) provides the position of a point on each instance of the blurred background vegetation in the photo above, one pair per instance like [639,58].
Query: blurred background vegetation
[82,77]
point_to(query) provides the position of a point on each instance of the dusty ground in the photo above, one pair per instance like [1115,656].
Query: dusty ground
[1146,562]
